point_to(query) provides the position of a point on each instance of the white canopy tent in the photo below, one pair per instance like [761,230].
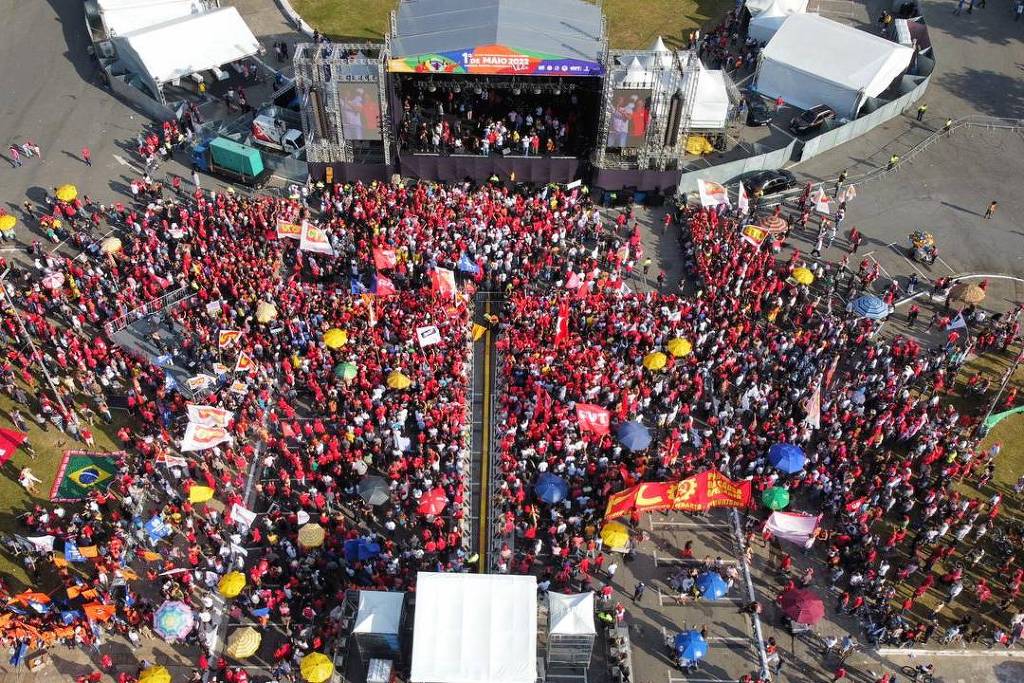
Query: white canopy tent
[571,615]
[379,612]
[177,48]
[124,16]
[812,60]
[475,628]
[711,108]
[764,25]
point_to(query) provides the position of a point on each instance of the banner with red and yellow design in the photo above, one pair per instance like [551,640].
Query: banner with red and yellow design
[704,491]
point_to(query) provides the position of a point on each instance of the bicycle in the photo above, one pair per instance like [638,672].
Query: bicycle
[919,673]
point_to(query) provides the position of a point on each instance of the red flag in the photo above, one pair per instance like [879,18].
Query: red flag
[442,281]
[384,258]
[593,418]
[562,323]
[9,442]
[624,473]
[385,287]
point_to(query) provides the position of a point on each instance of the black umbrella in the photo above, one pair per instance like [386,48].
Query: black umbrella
[374,490]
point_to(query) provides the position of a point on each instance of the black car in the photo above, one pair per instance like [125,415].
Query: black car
[812,119]
[768,182]
[758,113]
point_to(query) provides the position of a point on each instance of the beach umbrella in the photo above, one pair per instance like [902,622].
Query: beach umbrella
[7,222]
[551,488]
[346,371]
[803,276]
[968,293]
[655,360]
[397,380]
[53,281]
[775,498]
[634,436]
[316,667]
[787,457]
[67,193]
[433,502]
[311,535]
[615,535]
[360,550]
[803,606]
[774,224]
[111,245]
[374,490]
[335,338]
[231,584]
[712,586]
[679,347]
[243,643]
[155,674]
[690,645]
[174,620]
[869,306]
[265,312]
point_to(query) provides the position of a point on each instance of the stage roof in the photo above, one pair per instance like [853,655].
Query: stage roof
[504,37]
[475,628]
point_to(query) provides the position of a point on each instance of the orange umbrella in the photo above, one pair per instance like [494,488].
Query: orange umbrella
[774,224]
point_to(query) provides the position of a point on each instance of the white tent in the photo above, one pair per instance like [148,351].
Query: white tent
[812,60]
[379,612]
[124,16]
[637,76]
[767,22]
[475,628]
[711,105]
[755,7]
[571,614]
[185,46]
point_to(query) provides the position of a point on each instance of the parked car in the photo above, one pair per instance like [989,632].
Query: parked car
[812,119]
[758,113]
[276,135]
[768,182]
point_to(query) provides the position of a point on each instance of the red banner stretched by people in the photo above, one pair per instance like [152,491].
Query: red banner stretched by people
[703,491]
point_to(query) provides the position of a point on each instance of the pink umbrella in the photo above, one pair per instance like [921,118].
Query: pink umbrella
[53,281]
[433,502]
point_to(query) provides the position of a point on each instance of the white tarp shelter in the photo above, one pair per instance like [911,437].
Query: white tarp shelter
[177,48]
[475,628]
[812,60]
[124,16]
[711,108]
[764,25]
[379,612]
[571,615]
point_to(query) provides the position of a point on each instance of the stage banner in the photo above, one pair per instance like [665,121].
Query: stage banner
[494,59]
[81,472]
[704,491]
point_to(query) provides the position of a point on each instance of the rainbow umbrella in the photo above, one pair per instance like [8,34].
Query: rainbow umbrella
[174,620]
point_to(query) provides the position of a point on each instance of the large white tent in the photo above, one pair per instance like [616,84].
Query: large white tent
[124,16]
[711,105]
[812,60]
[768,20]
[475,628]
[180,47]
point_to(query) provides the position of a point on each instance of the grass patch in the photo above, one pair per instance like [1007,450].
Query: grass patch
[631,24]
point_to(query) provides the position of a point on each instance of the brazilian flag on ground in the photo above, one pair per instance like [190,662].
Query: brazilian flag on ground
[81,472]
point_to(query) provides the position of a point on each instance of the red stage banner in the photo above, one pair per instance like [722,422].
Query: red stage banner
[704,491]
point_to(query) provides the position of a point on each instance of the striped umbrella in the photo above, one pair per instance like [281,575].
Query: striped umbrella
[174,620]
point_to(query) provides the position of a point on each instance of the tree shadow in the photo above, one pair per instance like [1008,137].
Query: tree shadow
[989,92]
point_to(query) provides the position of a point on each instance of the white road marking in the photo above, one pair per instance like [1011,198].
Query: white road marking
[912,264]
[124,162]
[951,271]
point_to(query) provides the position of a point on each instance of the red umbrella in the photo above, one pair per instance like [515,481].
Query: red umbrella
[433,502]
[774,224]
[803,606]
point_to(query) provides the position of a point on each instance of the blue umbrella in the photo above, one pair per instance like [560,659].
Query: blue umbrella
[551,488]
[787,457]
[712,587]
[634,436]
[869,306]
[691,645]
[360,550]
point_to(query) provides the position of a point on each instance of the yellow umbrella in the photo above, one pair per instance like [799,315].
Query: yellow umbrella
[335,338]
[679,347]
[200,494]
[155,674]
[110,245]
[311,535]
[655,360]
[67,193]
[243,643]
[397,380]
[266,312]
[231,584]
[316,667]
[7,222]
[615,535]
[803,276]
